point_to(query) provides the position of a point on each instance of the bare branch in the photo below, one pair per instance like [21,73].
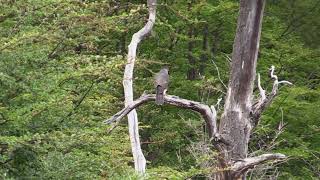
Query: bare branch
[248,163]
[264,101]
[208,113]
[218,103]
[261,90]
[215,65]
[272,75]
[139,159]
[285,82]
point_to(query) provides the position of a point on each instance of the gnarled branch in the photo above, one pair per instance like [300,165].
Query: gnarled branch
[208,113]
[248,163]
[264,100]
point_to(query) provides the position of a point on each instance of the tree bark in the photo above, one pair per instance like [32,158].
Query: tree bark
[208,113]
[235,125]
[139,159]
[240,115]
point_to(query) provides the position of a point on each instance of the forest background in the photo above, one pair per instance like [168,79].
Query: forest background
[61,68]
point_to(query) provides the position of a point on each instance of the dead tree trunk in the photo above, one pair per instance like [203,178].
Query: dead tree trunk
[240,114]
[235,125]
[139,159]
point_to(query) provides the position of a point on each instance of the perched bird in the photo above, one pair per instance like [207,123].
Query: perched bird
[161,82]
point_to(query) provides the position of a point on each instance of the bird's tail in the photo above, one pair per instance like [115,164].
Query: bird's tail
[159,95]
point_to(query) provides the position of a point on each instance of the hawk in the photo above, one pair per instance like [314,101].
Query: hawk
[161,82]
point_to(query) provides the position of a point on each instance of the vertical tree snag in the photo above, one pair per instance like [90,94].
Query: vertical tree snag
[235,125]
[139,159]
[240,114]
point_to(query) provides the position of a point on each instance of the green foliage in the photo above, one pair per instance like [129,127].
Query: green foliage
[61,65]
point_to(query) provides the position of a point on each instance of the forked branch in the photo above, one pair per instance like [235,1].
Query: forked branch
[264,100]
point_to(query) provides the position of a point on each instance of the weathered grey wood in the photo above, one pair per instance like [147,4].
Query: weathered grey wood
[265,101]
[139,159]
[210,116]
[235,126]
[208,113]
[239,116]
[240,167]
